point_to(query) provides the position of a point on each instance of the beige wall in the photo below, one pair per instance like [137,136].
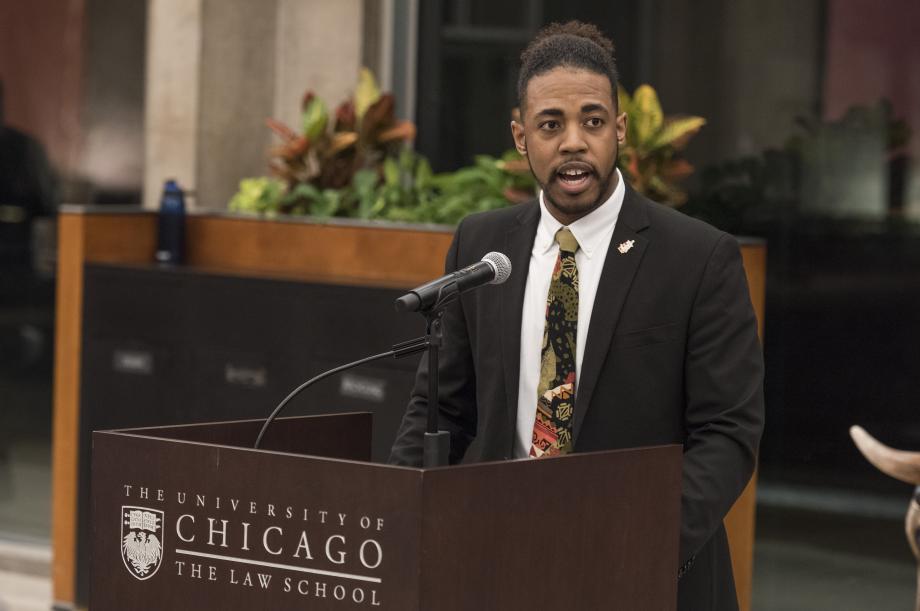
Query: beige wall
[217,68]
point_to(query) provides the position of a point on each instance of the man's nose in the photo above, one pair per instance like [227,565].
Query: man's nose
[573,141]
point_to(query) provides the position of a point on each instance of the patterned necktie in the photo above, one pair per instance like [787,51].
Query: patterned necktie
[552,429]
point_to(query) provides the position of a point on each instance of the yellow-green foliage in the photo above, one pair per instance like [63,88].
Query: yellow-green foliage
[649,158]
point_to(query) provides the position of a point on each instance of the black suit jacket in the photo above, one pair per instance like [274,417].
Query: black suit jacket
[672,356]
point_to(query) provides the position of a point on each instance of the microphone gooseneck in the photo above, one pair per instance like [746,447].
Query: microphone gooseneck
[399,351]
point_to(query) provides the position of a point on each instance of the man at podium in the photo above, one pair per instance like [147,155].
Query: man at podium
[624,323]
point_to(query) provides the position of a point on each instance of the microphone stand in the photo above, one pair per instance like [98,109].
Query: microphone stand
[436,443]
[436,448]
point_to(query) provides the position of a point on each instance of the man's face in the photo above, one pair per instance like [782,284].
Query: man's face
[570,135]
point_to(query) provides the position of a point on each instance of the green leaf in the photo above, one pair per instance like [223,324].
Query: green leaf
[328,204]
[391,196]
[366,92]
[314,119]
[301,191]
[404,215]
[674,130]
[378,207]
[646,114]
[423,174]
[257,195]
[391,172]
[364,182]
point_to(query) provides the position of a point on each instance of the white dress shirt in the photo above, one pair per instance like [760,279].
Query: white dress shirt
[593,233]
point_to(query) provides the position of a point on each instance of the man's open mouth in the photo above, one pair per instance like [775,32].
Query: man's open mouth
[574,177]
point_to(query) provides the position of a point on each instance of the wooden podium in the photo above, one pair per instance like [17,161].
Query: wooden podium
[190,517]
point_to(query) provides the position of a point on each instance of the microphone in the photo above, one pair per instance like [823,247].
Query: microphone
[494,268]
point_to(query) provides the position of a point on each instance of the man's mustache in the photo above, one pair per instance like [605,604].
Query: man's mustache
[579,164]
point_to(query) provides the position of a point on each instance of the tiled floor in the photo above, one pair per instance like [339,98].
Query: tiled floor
[25,490]
[853,558]
[800,577]
[25,577]
[24,592]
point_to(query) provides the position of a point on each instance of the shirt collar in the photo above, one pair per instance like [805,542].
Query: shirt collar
[590,230]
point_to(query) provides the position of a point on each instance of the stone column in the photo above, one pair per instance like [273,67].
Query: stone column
[218,68]
[318,47]
[171,99]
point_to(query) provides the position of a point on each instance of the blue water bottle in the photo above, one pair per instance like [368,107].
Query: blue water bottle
[171,235]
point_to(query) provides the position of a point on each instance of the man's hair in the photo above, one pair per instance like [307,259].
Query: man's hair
[570,45]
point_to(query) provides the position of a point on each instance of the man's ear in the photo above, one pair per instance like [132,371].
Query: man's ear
[621,123]
[517,132]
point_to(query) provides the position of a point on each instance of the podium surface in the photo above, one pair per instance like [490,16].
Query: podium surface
[190,517]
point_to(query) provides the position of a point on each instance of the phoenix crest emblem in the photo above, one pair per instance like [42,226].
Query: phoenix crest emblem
[141,541]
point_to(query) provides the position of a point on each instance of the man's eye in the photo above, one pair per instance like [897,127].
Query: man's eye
[549,125]
[595,122]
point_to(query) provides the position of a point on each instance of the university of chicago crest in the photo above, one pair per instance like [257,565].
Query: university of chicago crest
[141,540]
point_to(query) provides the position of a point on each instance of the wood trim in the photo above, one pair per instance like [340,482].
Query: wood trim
[120,238]
[740,520]
[332,253]
[81,238]
[754,257]
[66,397]
[740,526]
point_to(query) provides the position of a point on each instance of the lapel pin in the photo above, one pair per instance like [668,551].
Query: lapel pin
[625,246]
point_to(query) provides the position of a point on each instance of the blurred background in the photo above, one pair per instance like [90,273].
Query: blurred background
[810,142]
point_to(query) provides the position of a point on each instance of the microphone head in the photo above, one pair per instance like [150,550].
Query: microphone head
[501,264]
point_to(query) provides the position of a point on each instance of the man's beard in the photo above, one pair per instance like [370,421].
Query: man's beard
[603,194]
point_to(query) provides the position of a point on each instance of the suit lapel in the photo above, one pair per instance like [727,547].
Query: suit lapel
[616,279]
[518,245]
